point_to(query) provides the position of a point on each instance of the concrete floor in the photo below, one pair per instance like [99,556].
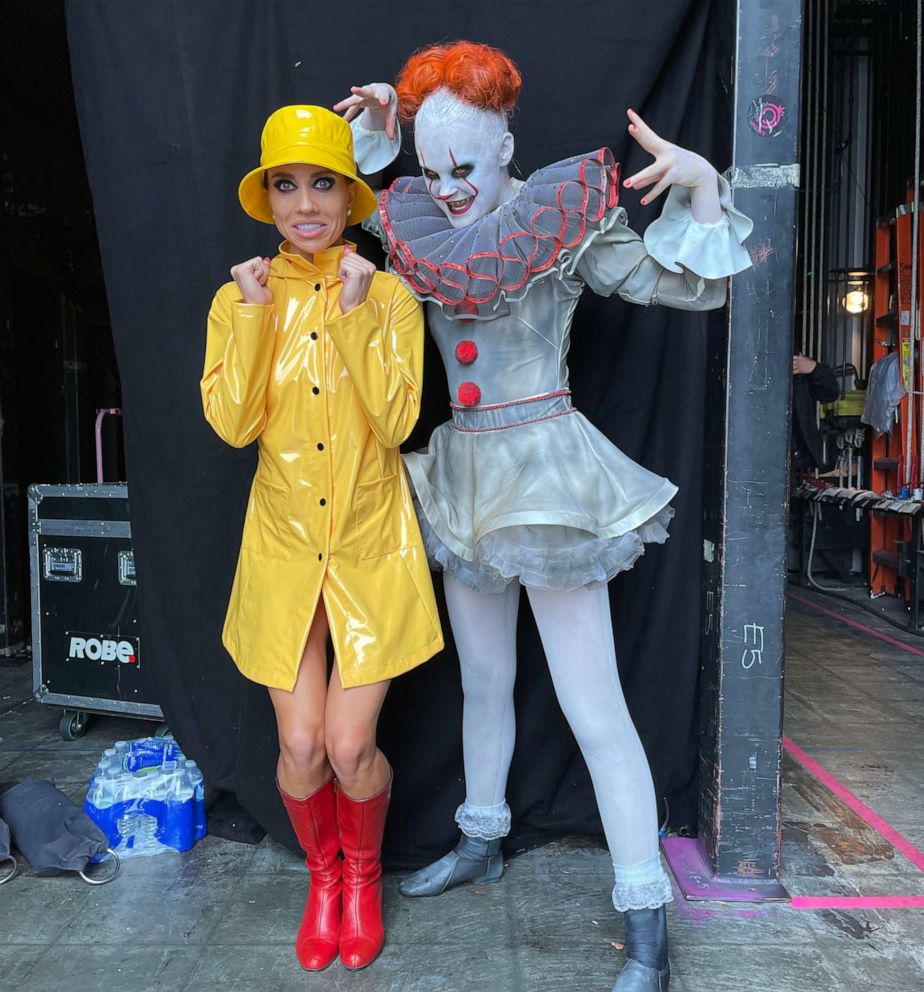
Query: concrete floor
[223,914]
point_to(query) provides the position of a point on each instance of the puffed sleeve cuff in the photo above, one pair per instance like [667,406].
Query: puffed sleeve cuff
[676,241]
[373,223]
[373,150]
[251,324]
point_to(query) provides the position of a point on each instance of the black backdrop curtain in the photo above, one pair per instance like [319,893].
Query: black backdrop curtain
[171,99]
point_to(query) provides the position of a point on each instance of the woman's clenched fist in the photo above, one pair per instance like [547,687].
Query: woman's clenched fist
[251,278]
[356,274]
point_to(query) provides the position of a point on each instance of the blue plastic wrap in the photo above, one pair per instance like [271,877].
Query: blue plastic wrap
[884,392]
[147,798]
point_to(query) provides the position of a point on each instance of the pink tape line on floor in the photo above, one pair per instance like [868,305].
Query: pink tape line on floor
[857,902]
[855,623]
[886,830]
[883,828]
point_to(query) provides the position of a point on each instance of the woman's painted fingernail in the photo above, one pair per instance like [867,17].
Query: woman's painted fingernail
[644,202]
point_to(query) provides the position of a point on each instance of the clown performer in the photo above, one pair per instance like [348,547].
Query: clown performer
[518,488]
[318,357]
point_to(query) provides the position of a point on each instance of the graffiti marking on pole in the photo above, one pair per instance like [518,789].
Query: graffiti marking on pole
[766,116]
[761,252]
[754,655]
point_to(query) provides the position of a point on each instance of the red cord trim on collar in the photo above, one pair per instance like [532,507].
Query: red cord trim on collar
[450,282]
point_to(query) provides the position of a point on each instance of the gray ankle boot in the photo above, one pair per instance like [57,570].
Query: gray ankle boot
[648,968]
[471,860]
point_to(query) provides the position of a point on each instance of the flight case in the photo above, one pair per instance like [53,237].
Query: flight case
[87,652]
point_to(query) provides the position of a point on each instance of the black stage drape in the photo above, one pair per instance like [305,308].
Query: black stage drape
[171,98]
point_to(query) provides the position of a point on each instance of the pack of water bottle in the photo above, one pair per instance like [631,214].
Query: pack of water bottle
[147,797]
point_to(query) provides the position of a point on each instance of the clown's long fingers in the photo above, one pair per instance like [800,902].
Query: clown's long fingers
[646,176]
[663,184]
[644,135]
[353,103]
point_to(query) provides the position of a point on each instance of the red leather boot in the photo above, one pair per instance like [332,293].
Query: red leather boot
[362,824]
[315,821]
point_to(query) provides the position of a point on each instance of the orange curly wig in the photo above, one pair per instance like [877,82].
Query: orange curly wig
[478,74]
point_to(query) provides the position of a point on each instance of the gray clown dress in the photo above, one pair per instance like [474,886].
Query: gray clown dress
[518,484]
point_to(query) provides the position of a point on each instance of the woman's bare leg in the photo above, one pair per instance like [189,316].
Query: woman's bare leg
[303,766]
[349,726]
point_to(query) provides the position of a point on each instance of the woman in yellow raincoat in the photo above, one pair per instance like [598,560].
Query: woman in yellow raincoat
[318,357]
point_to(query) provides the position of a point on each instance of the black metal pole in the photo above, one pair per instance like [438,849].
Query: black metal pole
[748,463]
[740,797]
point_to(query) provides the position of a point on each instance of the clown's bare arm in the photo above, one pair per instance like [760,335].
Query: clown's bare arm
[372,112]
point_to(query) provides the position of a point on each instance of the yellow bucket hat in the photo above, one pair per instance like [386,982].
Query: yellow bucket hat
[304,135]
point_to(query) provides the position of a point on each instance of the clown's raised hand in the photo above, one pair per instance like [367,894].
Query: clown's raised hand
[380,99]
[675,165]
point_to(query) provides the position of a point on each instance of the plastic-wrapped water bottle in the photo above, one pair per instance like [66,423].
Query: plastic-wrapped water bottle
[139,835]
[143,798]
[102,792]
[197,781]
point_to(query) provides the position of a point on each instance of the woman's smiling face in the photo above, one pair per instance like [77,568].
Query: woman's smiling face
[310,206]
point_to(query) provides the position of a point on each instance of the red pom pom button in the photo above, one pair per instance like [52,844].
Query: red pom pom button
[469,394]
[466,352]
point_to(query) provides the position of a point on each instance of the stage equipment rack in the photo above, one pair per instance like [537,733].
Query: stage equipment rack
[904,515]
[897,455]
[87,651]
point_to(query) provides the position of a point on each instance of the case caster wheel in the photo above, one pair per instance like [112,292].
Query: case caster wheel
[162,731]
[73,725]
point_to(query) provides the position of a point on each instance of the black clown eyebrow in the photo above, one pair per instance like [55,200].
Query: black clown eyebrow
[460,165]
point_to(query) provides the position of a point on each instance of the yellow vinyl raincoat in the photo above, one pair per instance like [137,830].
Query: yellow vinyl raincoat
[328,397]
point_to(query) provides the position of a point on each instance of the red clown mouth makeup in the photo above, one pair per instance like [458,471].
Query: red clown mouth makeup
[459,207]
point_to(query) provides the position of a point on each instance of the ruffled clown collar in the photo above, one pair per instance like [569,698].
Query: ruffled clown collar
[470,270]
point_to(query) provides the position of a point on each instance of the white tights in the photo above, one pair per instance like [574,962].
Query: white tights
[577,636]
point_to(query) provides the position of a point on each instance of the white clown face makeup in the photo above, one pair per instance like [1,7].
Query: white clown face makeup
[463,154]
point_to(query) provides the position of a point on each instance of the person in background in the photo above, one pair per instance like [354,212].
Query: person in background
[813,382]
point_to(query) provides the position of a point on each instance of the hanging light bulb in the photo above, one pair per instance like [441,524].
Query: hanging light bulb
[856,301]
